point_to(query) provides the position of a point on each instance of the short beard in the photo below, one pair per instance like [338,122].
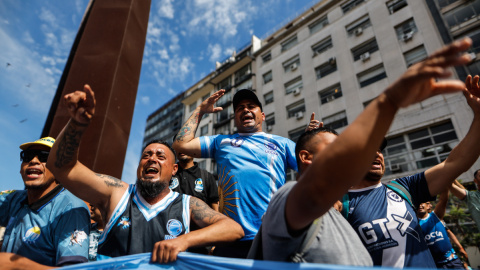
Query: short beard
[373,177]
[150,190]
[39,187]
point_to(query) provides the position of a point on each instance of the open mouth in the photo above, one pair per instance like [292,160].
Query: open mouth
[151,171]
[377,164]
[33,173]
[247,118]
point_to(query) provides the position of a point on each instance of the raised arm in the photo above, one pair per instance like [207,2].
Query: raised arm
[441,206]
[216,229]
[323,183]
[185,141]
[462,157]
[458,190]
[313,124]
[97,189]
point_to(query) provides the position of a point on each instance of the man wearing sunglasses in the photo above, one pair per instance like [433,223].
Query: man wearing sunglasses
[44,223]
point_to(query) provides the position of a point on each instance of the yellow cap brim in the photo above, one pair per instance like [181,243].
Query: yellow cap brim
[46,141]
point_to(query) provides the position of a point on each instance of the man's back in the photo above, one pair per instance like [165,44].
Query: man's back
[52,231]
[335,243]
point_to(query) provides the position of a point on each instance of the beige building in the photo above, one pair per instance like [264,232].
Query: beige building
[337,56]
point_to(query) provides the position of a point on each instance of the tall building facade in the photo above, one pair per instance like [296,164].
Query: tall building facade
[337,56]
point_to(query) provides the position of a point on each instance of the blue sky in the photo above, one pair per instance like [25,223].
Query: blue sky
[184,40]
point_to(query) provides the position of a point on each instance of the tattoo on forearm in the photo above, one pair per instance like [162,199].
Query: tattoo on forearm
[189,128]
[110,180]
[201,212]
[68,146]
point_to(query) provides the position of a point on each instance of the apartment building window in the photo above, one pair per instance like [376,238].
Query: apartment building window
[224,100]
[351,5]
[372,75]
[318,25]
[248,84]
[296,133]
[222,116]
[395,5]
[225,83]
[267,77]
[291,175]
[289,43]
[192,106]
[206,96]
[330,94]
[326,68]
[268,97]
[444,3]
[406,30]
[364,50]
[470,10]
[419,149]
[415,55]
[296,109]
[294,85]
[204,130]
[291,64]
[223,130]
[242,74]
[356,28]
[270,121]
[267,57]
[322,46]
[202,165]
[335,121]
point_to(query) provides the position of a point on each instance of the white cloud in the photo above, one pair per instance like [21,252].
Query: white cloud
[215,51]
[163,54]
[145,100]
[166,9]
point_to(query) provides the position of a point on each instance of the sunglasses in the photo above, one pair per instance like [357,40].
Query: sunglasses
[27,155]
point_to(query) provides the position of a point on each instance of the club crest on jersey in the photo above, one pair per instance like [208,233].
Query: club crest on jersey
[124,222]
[237,142]
[174,228]
[394,196]
[271,148]
[32,235]
[77,237]
[199,185]
[174,183]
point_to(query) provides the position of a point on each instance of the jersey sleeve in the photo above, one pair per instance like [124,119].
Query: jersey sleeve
[417,186]
[290,154]
[71,235]
[207,146]
[6,198]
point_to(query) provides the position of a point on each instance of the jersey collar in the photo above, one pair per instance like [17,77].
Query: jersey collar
[38,205]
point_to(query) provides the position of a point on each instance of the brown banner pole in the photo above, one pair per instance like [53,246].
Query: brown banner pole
[107,55]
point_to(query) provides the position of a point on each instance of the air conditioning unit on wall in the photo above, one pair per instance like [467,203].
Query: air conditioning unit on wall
[297,91]
[299,115]
[407,36]
[269,128]
[358,31]
[293,67]
[365,56]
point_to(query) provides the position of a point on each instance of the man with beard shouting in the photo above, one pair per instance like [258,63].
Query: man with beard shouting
[147,216]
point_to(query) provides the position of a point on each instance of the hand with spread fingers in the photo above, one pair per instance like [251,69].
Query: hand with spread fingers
[208,105]
[420,82]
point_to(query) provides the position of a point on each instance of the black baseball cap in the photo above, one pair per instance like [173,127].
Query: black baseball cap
[243,94]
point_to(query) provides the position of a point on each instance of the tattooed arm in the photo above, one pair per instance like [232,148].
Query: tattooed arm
[216,229]
[185,141]
[103,191]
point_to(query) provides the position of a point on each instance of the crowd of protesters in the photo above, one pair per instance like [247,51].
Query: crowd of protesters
[175,207]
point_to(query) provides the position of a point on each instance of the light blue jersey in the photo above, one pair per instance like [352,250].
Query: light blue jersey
[388,225]
[52,231]
[437,239]
[251,167]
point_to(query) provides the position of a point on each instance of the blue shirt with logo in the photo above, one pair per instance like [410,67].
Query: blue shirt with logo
[437,239]
[251,167]
[52,231]
[388,225]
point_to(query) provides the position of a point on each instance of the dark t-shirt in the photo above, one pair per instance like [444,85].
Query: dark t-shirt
[195,182]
